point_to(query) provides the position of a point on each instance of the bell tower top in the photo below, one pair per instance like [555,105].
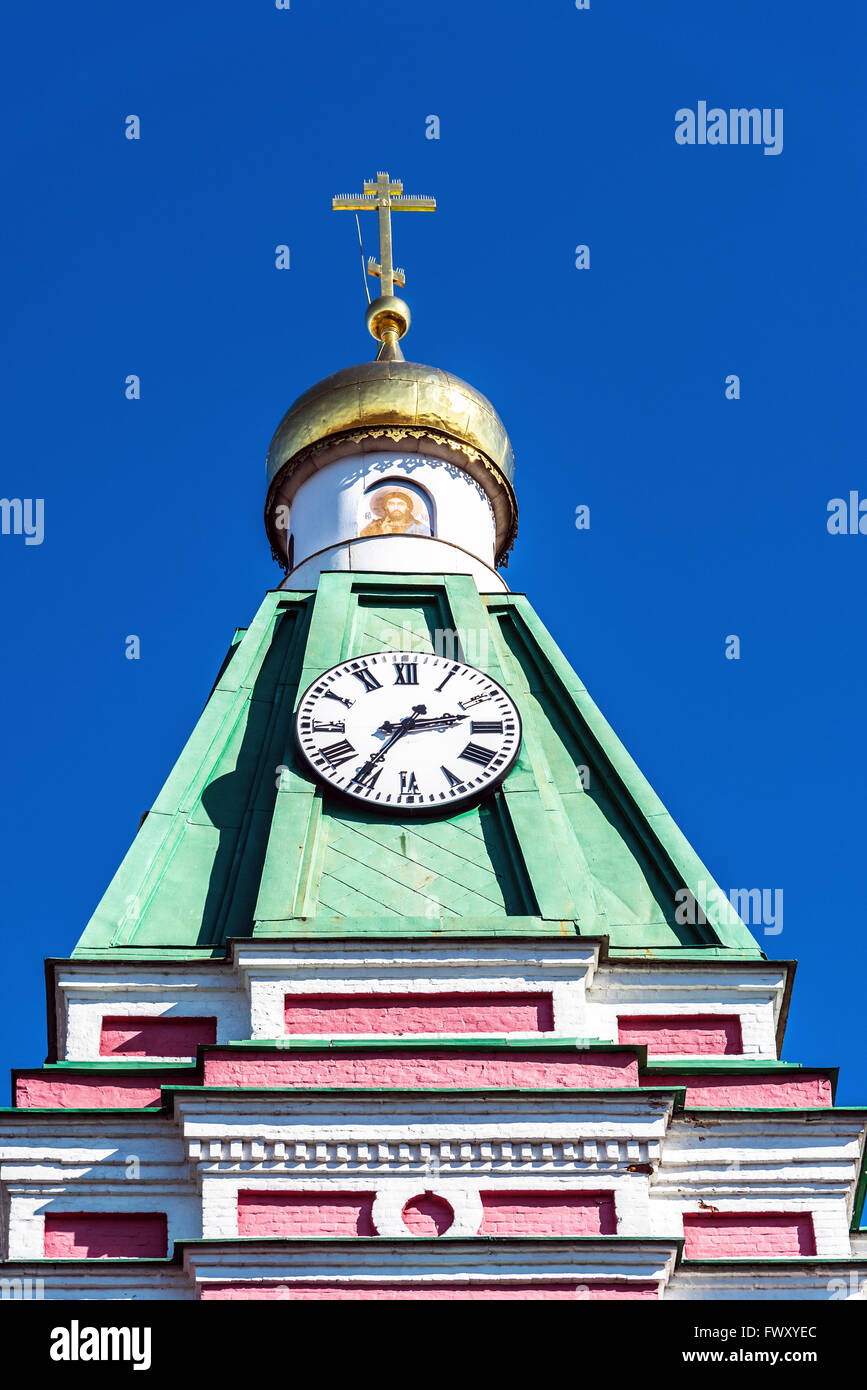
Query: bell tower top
[390,465]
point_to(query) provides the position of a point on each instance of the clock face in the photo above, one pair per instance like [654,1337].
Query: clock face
[408,729]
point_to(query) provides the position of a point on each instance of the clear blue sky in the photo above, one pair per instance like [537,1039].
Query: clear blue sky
[708,516]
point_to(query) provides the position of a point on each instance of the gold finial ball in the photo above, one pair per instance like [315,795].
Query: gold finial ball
[387,314]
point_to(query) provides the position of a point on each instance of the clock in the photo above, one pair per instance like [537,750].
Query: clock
[408,730]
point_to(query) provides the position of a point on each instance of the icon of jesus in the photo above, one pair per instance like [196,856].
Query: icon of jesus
[395,512]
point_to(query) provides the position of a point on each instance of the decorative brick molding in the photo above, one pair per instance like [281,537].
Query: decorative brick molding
[288,1213]
[247,992]
[162,1036]
[420,1066]
[397,1014]
[105,1235]
[82,1092]
[432,1210]
[682,1035]
[748,1235]
[566,1173]
[516,1154]
[522,1213]
[800,1090]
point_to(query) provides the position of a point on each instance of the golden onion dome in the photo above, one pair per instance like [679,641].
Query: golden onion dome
[378,406]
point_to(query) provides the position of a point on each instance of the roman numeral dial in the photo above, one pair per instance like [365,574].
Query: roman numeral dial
[413,733]
[475,753]
[337,753]
[367,678]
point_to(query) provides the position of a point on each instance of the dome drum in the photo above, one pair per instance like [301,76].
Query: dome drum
[383,406]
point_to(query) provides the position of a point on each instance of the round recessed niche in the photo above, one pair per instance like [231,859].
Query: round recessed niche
[428,1215]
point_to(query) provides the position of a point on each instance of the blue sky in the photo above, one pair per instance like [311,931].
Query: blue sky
[708,516]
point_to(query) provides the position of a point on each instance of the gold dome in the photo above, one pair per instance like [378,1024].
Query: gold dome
[425,409]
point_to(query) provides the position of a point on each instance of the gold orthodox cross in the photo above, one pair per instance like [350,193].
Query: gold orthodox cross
[384,194]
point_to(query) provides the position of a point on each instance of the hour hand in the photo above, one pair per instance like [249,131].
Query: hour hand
[442,721]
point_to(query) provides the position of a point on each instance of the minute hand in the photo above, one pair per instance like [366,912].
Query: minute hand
[399,730]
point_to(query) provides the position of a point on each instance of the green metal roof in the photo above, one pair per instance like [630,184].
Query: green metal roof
[224,853]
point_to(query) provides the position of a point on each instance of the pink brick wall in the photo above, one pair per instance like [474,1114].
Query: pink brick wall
[730,1235]
[548,1214]
[420,1067]
[105,1235]
[166,1036]
[555,1289]
[305,1213]
[805,1089]
[427,1215]
[85,1092]
[695,1035]
[419,1013]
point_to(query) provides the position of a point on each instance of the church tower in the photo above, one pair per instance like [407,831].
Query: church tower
[409,987]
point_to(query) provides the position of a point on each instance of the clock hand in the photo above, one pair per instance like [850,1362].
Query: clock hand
[399,730]
[444,720]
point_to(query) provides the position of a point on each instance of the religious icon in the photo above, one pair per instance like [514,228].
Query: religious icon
[394,511]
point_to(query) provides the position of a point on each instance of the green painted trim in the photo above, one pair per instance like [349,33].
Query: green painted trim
[486,1093]
[131,1065]
[98,1261]
[129,1112]
[813,1111]
[441,1043]
[349,928]
[301,929]
[179,955]
[698,955]
[774,1262]
[685,954]
[736,1065]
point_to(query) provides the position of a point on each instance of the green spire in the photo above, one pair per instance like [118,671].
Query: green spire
[241,841]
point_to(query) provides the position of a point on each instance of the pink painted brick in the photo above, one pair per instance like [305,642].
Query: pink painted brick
[420,1067]
[305,1213]
[548,1214]
[807,1089]
[85,1092]
[164,1036]
[553,1289]
[427,1215]
[106,1235]
[686,1035]
[727,1235]
[419,1013]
